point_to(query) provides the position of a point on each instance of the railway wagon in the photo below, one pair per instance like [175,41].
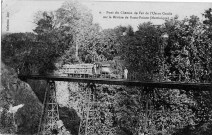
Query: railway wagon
[78,70]
[88,70]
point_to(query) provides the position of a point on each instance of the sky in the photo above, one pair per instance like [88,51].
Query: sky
[21,12]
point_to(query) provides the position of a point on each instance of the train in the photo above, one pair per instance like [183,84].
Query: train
[97,70]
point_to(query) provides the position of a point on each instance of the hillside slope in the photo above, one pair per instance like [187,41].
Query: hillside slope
[14,92]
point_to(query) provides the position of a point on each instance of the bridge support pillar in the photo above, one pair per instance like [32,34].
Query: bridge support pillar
[50,114]
[147,99]
[90,113]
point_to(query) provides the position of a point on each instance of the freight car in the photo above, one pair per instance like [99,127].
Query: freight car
[96,70]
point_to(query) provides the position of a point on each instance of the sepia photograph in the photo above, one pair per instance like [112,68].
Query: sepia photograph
[106,67]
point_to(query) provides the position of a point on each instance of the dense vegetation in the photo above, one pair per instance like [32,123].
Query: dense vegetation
[14,92]
[68,35]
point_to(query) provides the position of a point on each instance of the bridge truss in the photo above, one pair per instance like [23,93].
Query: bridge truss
[50,113]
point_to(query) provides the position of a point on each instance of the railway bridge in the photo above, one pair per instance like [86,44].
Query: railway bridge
[147,91]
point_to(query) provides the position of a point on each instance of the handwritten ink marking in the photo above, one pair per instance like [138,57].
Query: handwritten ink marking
[8,14]
[8,21]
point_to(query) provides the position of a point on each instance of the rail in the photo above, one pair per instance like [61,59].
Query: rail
[127,82]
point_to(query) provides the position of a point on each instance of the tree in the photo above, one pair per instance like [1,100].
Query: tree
[90,43]
[208,16]
[52,40]
[78,19]
[187,48]
[36,53]
[189,51]
[208,26]
[16,48]
[140,49]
